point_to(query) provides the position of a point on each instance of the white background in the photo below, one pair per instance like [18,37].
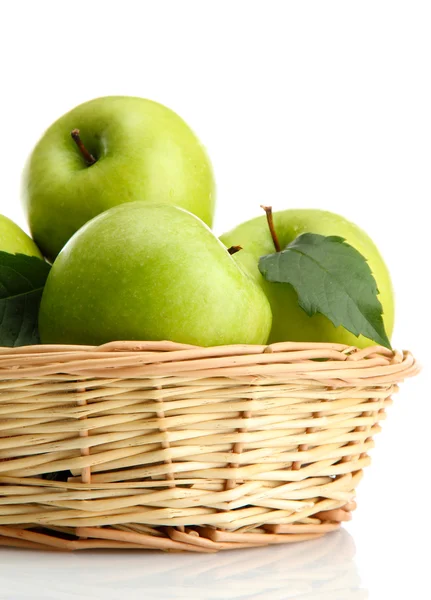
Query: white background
[300,104]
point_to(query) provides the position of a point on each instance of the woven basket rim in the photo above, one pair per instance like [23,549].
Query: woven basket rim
[335,364]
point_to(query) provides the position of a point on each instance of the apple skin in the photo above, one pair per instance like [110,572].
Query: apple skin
[290,322]
[14,241]
[150,272]
[144,151]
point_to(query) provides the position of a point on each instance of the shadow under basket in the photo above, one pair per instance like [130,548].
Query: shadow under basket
[157,445]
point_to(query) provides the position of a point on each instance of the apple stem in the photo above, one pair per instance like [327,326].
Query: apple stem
[269,218]
[234,249]
[88,157]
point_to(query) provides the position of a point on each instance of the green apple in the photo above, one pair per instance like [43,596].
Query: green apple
[14,241]
[109,151]
[290,322]
[150,272]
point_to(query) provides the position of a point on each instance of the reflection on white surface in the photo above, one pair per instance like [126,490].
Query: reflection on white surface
[321,569]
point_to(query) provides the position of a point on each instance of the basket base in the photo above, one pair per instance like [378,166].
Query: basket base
[171,539]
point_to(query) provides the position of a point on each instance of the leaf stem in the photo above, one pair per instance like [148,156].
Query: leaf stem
[234,249]
[269,218]
[88,157]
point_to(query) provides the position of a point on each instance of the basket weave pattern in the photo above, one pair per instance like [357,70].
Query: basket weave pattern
[184,448]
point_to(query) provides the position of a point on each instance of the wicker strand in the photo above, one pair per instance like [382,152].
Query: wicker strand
[85,451]
[303,447]
[237,449]
[170,478]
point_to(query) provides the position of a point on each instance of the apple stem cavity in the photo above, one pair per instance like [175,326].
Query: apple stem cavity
[88,157]
[269,218]
[234,249]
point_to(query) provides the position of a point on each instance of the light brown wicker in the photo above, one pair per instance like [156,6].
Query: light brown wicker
[178,447]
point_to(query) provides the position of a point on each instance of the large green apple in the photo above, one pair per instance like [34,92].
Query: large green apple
[290,322]
[150,272]
[109,151]
[14,241]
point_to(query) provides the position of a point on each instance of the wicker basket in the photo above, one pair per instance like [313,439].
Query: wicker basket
[178,447]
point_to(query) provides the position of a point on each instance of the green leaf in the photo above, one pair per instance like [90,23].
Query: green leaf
[22,279]
[331,278]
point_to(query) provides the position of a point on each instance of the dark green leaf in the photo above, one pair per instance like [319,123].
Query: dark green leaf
[22,279]
[331,278]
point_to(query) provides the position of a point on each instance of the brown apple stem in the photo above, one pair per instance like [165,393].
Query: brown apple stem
[88,157]
[269,218]
[234,249]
